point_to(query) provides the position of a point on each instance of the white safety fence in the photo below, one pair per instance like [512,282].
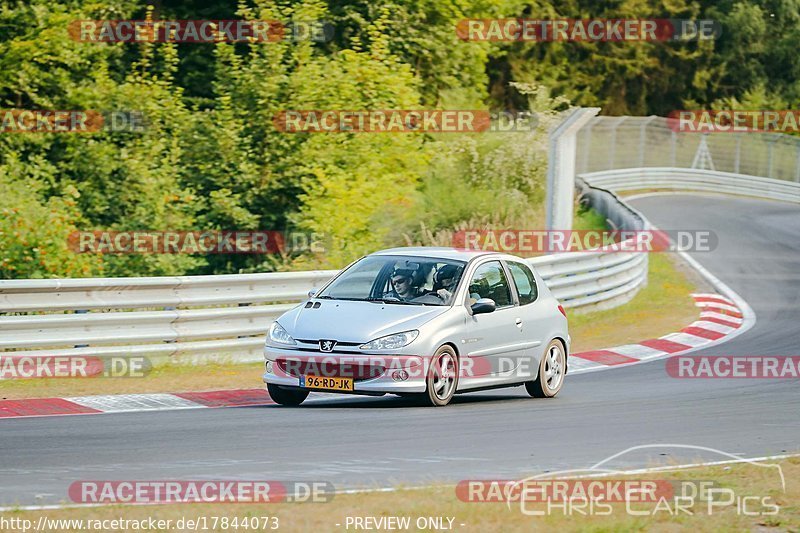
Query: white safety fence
[690,179]
[610,143]
[226,317]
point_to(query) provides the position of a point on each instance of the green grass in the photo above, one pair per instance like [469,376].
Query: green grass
[440,501]
[588,219]
[663,306]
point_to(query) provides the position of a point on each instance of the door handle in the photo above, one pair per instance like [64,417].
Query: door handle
[518,321]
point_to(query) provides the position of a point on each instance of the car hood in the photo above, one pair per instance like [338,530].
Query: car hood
[346,321]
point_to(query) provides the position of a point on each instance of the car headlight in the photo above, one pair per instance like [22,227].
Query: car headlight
[279,335]
[391,342]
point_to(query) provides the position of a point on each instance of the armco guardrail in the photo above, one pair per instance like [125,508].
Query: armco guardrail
[226,317]
[210,317]
[688,179]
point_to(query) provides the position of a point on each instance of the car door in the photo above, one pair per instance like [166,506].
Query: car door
[493,341]
[530,315]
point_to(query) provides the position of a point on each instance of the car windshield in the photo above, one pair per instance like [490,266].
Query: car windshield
[401,280]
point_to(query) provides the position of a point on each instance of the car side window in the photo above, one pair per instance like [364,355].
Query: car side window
[525,282]
[490,281]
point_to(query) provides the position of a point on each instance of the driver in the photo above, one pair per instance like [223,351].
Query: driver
[402,285]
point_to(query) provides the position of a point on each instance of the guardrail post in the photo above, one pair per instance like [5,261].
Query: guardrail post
[170,308]
[81,312]
[561,167]
[243,304]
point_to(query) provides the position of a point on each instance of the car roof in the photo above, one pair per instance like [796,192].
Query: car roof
[458,254]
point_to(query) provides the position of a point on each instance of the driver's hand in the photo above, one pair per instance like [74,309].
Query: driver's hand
[444,294]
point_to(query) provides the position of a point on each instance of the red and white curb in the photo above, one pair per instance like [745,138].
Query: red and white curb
[118,403]
[720,317]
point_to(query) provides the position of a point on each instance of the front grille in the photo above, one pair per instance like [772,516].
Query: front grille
[316,342]
[310,345]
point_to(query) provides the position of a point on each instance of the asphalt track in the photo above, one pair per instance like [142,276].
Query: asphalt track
[370,442]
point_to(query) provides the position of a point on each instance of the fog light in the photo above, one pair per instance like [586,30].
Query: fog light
[269,367]
[400,375]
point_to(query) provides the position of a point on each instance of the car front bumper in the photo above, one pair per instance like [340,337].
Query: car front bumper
[384,382]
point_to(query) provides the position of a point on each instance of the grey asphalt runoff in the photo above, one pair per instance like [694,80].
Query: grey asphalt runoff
[501,434]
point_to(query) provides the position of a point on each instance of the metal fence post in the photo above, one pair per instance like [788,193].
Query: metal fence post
[561,167]
[613,152]
[587,143]
[642,130]
[738,153]
[673,148]
[770,147]
[797,162]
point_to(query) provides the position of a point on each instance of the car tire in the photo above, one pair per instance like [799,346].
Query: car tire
[552,369]
[286,396]
[442,378]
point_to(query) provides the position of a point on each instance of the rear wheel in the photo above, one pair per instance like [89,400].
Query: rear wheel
[442,379]
[286,396]
[551,372]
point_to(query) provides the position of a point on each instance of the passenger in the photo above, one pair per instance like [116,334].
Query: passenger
[445,281]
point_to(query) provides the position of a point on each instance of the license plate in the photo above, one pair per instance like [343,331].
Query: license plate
[328,383]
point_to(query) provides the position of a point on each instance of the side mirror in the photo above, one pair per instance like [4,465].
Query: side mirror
[484,305]
[312,292]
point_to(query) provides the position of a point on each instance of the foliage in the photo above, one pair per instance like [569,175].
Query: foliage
[32,230]
[210,156]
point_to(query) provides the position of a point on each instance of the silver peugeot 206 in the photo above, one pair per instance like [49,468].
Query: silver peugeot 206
[424,323]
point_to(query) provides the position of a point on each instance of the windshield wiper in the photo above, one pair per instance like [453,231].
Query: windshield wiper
[389,300]
[326,297]
[384,300]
